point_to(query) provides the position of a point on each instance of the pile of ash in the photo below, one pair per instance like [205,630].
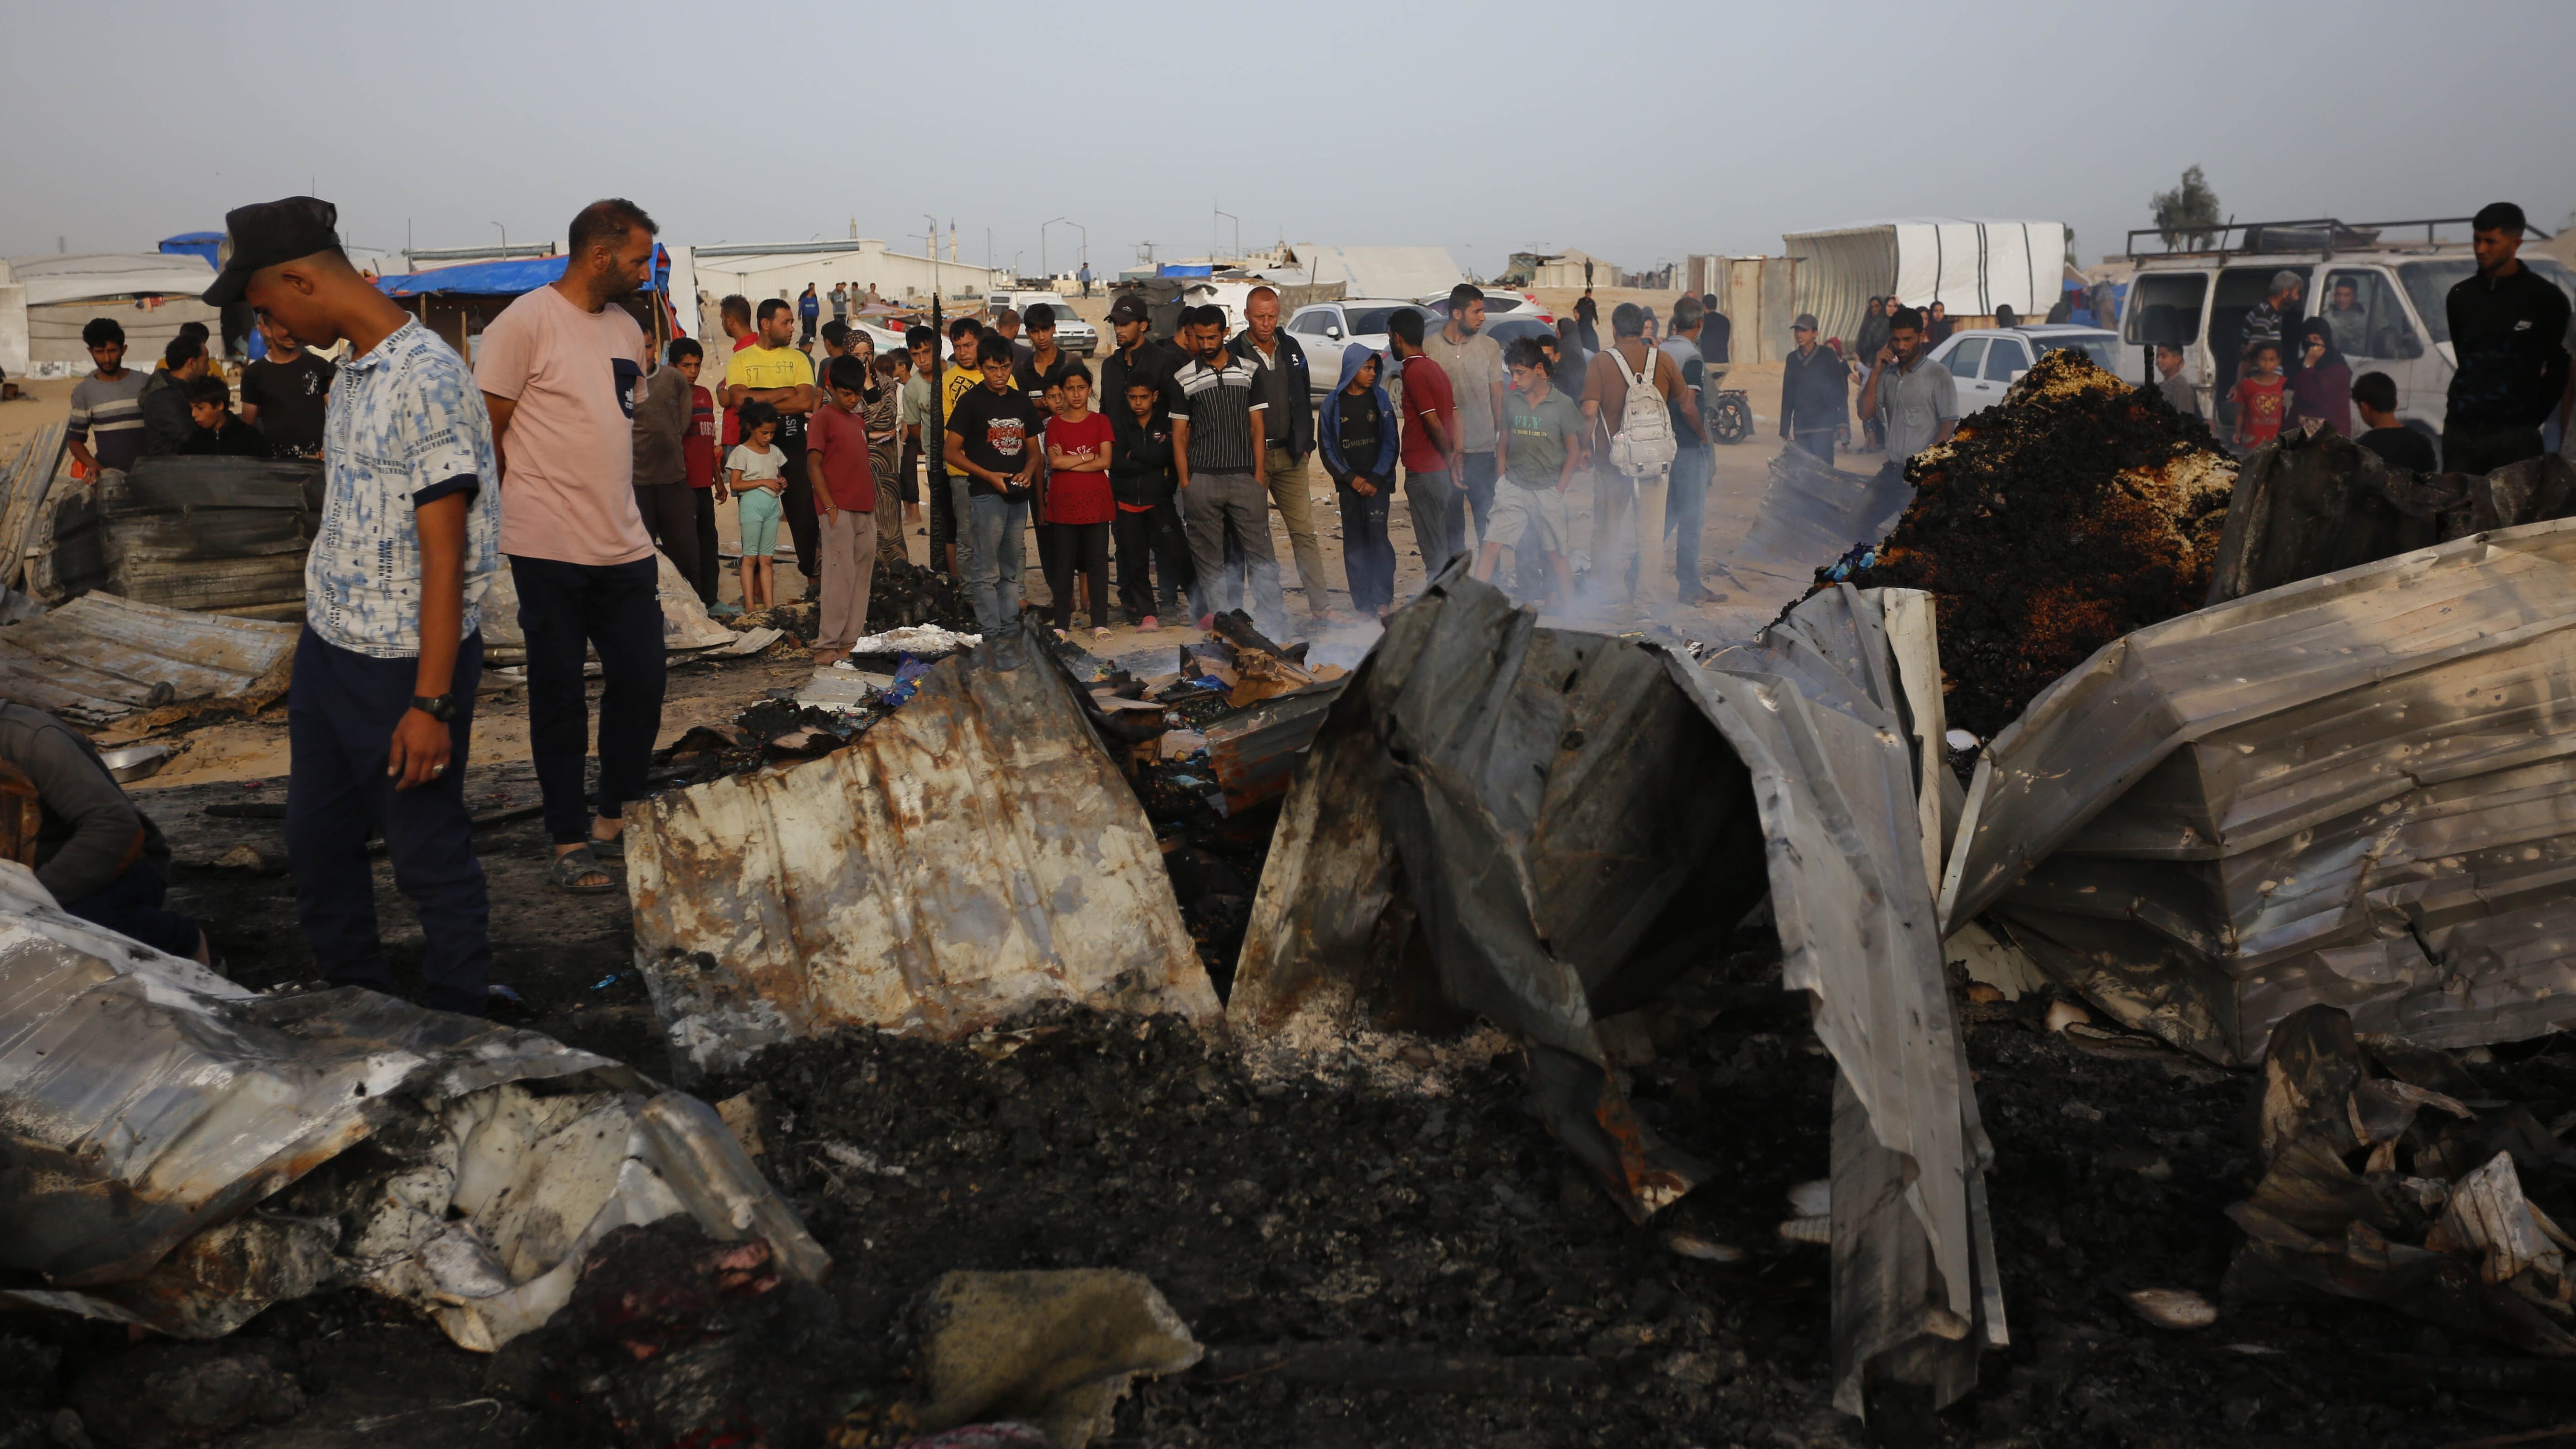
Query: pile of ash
[2077,511]
[903,593]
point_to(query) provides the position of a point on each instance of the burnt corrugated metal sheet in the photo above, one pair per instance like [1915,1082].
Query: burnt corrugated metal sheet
[1570,821]
[187,531]
[2358,789]
[971,855]
[143,1097]
[100,658]
[1254,752]
[147,1103]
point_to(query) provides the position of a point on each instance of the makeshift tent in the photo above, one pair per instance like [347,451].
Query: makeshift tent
[1403,273]
[149,293]
[1973,266]
[458,302]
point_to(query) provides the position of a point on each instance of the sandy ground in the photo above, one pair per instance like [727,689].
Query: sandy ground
[45,401]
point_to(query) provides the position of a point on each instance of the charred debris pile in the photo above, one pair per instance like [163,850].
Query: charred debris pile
[2080,509]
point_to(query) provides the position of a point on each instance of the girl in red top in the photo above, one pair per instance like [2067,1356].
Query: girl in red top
[2259,397]
[1078,502]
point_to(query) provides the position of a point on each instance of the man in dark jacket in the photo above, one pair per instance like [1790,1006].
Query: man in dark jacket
[167,427]
[1135,355]
[2509,332]
[1279,376]
[1815,392]
[102,859]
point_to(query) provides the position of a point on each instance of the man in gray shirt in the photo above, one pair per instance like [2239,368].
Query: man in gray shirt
[1913,398]
[1477,377]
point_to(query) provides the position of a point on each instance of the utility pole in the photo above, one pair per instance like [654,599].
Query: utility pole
[1042,226]
[505,241]
[935,460]
[1238,238]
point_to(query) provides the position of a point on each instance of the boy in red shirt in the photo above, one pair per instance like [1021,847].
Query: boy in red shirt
[1078,501]
[845,500]
[698,454]
[2258,397]
[1433,492]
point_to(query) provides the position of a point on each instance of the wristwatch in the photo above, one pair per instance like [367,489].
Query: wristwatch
[441,708]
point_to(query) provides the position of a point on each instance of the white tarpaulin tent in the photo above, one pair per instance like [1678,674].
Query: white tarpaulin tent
[1971,265]
[1397,272]
[13,323]
[150,293]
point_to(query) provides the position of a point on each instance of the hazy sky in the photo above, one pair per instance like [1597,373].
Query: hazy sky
[1637,131]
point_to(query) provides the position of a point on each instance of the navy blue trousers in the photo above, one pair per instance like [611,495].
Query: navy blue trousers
[567,610]
[130,905]
[340,718]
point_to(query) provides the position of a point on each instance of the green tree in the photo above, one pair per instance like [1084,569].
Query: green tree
[2187,215]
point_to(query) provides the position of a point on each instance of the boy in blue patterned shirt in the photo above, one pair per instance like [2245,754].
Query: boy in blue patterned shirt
[381,707]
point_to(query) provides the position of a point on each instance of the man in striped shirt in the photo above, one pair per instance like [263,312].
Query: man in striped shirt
[106,429]
[1217,442]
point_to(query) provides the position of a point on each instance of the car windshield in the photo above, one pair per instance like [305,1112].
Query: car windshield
[2430,284]
[1365,320]
[2096,348]
[1509,330]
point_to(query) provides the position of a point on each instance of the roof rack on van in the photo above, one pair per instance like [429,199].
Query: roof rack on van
[2308,234]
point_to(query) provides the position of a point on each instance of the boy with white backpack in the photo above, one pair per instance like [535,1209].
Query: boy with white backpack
[1629,399]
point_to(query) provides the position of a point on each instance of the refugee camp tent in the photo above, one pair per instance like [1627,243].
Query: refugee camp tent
[1411,272]
[458,302]
[149,293]
[1974,266]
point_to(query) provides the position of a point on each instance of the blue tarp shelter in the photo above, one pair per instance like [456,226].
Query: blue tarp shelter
[194,244]
[458,302]
[501,278]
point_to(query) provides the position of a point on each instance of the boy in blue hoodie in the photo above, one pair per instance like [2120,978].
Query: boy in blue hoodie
[1357,441]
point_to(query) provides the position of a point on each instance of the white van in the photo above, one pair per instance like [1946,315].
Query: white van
[2380,285]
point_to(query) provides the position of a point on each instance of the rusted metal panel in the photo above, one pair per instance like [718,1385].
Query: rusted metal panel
[2358,789]
[971,855]
[100,658]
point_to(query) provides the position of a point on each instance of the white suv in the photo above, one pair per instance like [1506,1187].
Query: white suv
[1326,329]
[2385,296]
[1072,334]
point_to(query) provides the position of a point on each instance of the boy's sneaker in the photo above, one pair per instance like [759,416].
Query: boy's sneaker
[1149,625]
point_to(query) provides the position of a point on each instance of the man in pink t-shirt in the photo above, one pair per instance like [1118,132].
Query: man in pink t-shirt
[560,371]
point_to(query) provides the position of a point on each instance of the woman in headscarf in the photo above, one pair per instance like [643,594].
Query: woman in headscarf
[1587,323]
[1873,331]
[2322,385]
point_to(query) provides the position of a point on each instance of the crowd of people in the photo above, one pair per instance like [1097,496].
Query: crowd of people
[184,405]
[1168,465]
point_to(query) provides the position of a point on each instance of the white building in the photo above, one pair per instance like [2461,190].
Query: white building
[763,270]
